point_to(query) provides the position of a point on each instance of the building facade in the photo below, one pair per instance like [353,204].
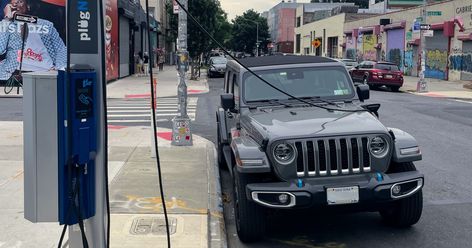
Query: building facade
[395,37]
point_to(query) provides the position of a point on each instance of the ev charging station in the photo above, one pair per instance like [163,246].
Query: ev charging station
[65,133]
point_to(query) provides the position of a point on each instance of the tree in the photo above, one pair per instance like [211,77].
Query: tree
[245,32]
[211,16]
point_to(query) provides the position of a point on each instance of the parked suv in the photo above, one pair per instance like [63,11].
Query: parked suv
[376,74]
[318,148]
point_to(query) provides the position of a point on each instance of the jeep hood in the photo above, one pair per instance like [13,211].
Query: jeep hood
[312,122]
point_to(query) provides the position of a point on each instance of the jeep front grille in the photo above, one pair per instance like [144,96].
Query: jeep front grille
[329,157]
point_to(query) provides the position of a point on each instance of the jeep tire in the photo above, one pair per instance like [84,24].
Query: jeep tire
[220,155]
[405,212]
[249,217]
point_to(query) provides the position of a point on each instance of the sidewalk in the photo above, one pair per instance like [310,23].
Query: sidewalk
[190,179]
[439,88]
[167,82]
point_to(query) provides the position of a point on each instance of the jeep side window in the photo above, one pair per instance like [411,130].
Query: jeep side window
[235,91]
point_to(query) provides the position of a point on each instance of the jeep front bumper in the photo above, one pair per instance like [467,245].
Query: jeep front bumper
[373,189]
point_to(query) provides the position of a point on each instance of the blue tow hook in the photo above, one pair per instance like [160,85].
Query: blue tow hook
[379,177]
[300,183]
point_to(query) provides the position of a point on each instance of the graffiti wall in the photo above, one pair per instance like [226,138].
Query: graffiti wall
[436,64]
[462,63]
[408,63]
[369,50]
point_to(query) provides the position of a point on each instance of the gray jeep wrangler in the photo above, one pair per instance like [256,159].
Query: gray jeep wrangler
[320,148]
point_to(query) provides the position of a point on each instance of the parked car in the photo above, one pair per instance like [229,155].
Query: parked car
[376,74]
[326,151]
[349,63]
[217,66]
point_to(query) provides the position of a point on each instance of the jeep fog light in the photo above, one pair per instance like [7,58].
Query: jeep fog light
[378,147]
[284,153]
[396,189]
[283,198]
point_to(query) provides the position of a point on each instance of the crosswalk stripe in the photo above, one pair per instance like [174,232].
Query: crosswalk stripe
[138,112]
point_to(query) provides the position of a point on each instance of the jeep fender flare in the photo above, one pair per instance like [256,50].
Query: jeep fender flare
[221,122]
[248,156]
[404,147]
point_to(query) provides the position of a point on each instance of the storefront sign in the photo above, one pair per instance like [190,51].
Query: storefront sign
[428,33]
[112,40]
[44,47]
[434,13]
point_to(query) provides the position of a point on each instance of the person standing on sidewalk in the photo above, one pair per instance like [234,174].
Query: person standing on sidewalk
[161,58]
[146,64]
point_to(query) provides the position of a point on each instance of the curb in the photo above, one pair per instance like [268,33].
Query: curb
[216,225]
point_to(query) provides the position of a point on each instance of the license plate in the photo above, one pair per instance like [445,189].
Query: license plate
[345,195]
[388,76]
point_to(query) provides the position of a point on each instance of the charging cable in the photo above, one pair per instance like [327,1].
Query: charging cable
[154,127]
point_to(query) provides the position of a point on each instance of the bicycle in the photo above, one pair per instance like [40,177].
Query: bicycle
[14,80]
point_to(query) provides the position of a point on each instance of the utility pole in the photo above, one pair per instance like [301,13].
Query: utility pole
[181,132]
[257,39]
[422,85]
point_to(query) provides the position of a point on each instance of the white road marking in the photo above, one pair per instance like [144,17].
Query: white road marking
[463,101]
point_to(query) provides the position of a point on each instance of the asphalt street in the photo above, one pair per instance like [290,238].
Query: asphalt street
[443,128]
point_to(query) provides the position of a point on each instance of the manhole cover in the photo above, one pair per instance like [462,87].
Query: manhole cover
[152,226]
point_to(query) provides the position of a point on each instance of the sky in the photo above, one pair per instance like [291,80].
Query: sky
[238,7]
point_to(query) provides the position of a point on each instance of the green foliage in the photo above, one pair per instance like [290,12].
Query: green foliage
[211,16]
[245,32]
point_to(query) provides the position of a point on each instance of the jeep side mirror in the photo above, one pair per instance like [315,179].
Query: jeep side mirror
[372,108]
[363,92]
[227,101]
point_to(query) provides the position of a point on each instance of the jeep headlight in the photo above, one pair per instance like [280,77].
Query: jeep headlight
[284,153]
[378,146]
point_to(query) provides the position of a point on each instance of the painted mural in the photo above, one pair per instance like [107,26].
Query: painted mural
[369,50]
[408,63]
[436,64]
[461,62]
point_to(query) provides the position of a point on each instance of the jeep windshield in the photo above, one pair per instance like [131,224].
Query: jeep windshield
[306,82]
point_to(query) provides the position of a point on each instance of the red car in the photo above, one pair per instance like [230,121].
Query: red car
[376,74]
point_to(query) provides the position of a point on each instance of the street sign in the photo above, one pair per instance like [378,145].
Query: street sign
[428,33]
[316,43]
[419,19]
[26,18]
[175,7]
[425,26]
[434,13]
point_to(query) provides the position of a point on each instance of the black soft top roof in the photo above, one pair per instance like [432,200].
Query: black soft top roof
[283,60]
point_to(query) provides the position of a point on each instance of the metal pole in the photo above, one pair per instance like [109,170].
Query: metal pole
[257,37]
[181,133]
[422,84]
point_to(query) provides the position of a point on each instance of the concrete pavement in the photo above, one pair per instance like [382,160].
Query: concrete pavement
[190,178]
[439,88]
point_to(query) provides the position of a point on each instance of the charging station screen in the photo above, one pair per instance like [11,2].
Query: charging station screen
[83,98]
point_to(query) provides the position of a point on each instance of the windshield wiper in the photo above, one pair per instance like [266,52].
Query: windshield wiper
[318,98]
[273,101]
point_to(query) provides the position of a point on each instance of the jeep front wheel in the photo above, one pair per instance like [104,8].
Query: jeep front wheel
[405,212]
[220,155]
[249,217]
